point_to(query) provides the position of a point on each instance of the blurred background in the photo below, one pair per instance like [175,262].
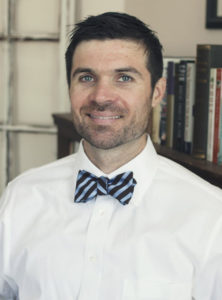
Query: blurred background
[33,39]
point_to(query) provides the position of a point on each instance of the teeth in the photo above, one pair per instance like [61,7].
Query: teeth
[105,118]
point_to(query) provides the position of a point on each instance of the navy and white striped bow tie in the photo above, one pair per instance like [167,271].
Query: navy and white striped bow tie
[88,186]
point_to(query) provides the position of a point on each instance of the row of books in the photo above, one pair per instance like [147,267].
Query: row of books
[189,118]
[173,118]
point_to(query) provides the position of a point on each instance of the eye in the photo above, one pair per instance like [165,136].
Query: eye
[86,78]
[125,78]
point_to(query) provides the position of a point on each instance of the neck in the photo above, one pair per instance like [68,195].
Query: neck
[111,159]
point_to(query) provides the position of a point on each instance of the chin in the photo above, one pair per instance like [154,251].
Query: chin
[108,138]
[108,142]
[104,144]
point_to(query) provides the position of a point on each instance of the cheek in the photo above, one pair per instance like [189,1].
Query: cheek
[141,102]
[76,99]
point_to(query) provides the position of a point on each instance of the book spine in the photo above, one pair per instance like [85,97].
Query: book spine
[220,129]
[170,103]
[163,120]
[211,114]
[156,124]
[217,117]
[201,101]
[179,112]
[189,102]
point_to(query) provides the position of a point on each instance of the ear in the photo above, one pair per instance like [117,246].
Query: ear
[159,91]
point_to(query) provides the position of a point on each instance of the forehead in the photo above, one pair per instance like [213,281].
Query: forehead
[106,52]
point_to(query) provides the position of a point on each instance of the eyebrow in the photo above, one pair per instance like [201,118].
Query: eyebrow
[82,70]
[128,70]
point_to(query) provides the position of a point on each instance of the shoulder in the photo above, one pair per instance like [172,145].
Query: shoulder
[191,204]
[54,170]
[186,183]
[47,178]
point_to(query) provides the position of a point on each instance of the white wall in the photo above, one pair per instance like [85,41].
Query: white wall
[180,24]
[94,7]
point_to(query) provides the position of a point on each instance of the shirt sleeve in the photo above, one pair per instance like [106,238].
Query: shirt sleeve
[6,290]
[208,285]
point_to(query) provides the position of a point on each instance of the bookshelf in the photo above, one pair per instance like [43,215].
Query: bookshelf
[207,170]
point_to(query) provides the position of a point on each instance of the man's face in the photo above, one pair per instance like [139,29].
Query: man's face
[110,92]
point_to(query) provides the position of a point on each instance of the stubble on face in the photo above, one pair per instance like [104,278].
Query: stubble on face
[107,136]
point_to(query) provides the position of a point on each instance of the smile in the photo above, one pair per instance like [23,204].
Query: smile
[104,117]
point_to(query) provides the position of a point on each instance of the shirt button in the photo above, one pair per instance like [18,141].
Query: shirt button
[92,258]
[101,212]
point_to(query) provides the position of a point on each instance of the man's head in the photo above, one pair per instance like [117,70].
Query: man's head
[114,69]
[112,25]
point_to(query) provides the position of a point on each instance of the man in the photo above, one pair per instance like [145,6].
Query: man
[115,220]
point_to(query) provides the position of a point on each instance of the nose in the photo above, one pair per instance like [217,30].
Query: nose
[102,92]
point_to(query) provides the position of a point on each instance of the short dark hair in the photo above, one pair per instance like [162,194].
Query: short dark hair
[114,25]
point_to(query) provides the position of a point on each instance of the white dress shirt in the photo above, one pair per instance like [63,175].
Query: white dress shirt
[166,244]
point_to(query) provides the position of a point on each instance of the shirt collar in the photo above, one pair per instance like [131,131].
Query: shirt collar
[143,166]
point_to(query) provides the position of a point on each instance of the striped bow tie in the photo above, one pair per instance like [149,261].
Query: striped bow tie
[88,186]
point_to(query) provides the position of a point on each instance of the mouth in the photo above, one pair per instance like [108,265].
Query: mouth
[104,117]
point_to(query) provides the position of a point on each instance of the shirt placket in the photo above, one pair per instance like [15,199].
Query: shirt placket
[95,241]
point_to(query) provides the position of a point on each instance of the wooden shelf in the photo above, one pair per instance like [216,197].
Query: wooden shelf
[209,171]
[66,133]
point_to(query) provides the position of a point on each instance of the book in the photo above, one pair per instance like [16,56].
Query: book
[211,114]
[163,120]
[189,103]
[219,158]
[217,115]
[170,103]
[207,57]
[156,124]
[179,105]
